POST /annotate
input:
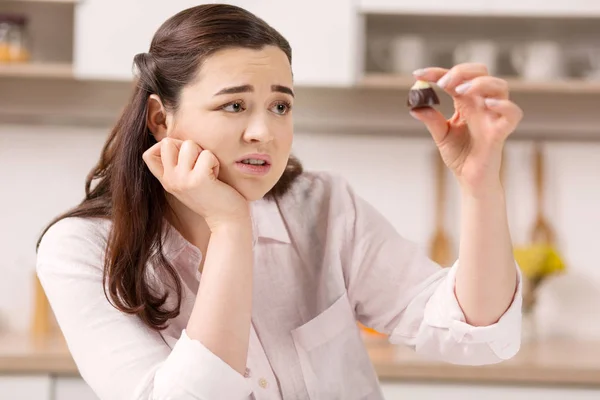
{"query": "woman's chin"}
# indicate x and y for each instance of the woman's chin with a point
(252, 191)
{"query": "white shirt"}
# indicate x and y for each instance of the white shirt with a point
(324, 258)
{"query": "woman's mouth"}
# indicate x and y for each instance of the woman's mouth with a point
(253, 166)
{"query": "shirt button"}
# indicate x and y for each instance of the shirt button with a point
(262, 382)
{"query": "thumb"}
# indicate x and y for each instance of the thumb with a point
(434, 121)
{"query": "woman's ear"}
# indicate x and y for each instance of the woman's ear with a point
(157, 118)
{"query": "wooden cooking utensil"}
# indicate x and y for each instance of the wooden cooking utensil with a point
(440, 246)
(41, 323)
(542, 232)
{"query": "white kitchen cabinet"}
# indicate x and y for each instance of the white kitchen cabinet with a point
(109, 33)
(67, 388)
(25, 387)
(436, 391)
(324, 35)
(423, 7)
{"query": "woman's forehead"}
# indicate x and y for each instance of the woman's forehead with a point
(241, 66)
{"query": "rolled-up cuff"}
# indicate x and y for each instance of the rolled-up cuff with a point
(503, 337)
(194, 372)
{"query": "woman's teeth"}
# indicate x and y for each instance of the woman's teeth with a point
(253, 161)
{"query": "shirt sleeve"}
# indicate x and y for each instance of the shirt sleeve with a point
(116, 354)
(396, 289)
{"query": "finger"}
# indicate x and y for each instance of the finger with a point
(188, 154)
(510, 113)
(207, 163)
(449, 79)
(176, 142)
(169, 153)
(485, 86)
(434, 121)
(153, 160)
(431, 74)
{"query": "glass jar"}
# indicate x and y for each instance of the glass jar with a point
(18, 39)
(5, 27)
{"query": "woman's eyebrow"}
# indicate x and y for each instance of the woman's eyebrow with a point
(282, 89)
(250, 88)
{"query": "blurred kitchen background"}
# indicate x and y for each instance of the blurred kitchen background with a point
(66, 72)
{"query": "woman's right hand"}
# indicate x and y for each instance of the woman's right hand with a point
(191, 173)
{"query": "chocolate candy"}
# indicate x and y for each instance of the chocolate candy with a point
(421, 94)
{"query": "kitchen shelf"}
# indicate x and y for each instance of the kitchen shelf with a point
(480, 8)
(42, 1)
(37, 70)
(570, 86)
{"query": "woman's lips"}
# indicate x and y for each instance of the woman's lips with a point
(254, 164)
(253, 169)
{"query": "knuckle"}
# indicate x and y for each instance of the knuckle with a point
(171, 183)
(477, 66)
(177, 186)
(478, 82)
(520, 113)
(168, 185)
(205, 155)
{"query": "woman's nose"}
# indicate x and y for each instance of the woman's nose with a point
(258, 131)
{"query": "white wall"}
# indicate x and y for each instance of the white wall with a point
(42, 171)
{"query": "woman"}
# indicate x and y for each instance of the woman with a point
(205, 264)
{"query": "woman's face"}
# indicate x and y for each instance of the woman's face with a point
(240, 109)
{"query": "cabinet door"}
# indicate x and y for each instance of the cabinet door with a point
(547, 7)
(432, 7)
(109, 33)
(25, 387)
(323, 35)
(72, 389)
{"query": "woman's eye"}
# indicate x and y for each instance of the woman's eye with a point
(281, 108)
(235, 107)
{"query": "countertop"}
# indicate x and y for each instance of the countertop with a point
(20, 354)
(544, 362)
(557, 361)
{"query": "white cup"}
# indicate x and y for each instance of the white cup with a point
(539, 60)
(478, 51)
(401, 55)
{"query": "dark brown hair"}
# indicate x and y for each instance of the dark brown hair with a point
(125, 191)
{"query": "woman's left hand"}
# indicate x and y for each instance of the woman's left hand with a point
(471, 141)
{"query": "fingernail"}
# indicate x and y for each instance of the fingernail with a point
(491, 102)
(463, 88)
(414, 115)
(419, 72)
(444, 80)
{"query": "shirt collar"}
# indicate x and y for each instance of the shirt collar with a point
(268, 222)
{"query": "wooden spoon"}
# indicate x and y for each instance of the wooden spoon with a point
(41, 323)
(440, 246)
(542, 232)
